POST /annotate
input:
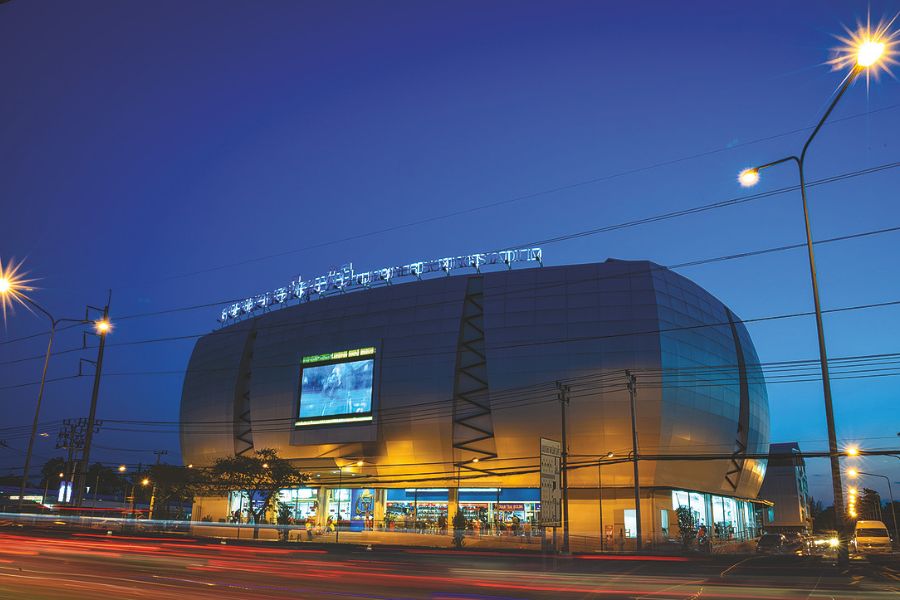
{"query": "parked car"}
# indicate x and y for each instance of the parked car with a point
(771, 543)
(871, 537)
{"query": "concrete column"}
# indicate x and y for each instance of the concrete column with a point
(322, 498)
(379, 508)
(452, 506)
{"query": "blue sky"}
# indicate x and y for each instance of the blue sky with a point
(142, 142)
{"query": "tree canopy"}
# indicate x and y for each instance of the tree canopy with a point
(256, 476)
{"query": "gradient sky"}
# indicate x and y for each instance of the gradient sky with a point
(155, 147)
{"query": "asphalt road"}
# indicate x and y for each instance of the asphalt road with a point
(47, 565)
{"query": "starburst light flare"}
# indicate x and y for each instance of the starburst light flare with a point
(14, 286)
(873, 48)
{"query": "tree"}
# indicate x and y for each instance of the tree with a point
(105, 479)
(51, 470)
(687, 525)
(257, 477)
(823, 520)
(172, 483)
(869, 505)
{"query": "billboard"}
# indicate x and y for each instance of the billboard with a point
(337, 387)
(551, 492)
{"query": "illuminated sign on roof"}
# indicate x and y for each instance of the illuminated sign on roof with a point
(344, 279)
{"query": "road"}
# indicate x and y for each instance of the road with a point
(41, 565)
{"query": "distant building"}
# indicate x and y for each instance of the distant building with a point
(785, 486)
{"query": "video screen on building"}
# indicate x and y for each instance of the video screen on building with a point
(337, 387)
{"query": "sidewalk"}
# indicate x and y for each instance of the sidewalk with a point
(390, 538)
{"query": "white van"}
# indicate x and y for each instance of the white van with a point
(871, 537)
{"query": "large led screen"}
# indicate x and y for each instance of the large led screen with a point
(336, 392)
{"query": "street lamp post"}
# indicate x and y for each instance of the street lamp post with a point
(867, 55)
(340, 491)
(855, 473)
(37, 409)
(600, 493)
(47, 488)
(102, 328)
(14, 287)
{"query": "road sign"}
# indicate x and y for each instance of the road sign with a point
(551, 491)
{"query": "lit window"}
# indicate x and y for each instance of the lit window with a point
(630, 523)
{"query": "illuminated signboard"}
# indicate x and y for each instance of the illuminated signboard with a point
(337, 387)
(345, 279)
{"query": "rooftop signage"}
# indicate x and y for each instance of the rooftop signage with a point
(344, 279)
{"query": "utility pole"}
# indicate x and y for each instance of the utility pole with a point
(71, 438)
(632, 393)
(92, 415)
(563, 393)
(159, 454)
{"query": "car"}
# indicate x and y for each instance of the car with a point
(771, 543)
(795, 542)
(871, 537)
(825, 543)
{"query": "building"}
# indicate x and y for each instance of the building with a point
(442, 388)
(785, 486)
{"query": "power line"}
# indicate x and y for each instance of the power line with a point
(307, 322)
(515, 397)
(519, 198)
(604, 229)
(495, 347)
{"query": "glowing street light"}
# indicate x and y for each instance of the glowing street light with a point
(869, 53)
(867, 47)
(122, 468)
(749, 177)
(852, 473)
(852, 450)
(102, 326)
(865, 50)
(145, 481)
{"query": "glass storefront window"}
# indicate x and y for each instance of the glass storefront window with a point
(694, 501)
(303, 502)
(630, 523)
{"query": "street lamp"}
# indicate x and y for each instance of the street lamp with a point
(609, 454)
(14, 288)
(144, 482)
(855, 473)
(866, 50)
(337, 521)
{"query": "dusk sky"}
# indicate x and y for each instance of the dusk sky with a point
(190, 153)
